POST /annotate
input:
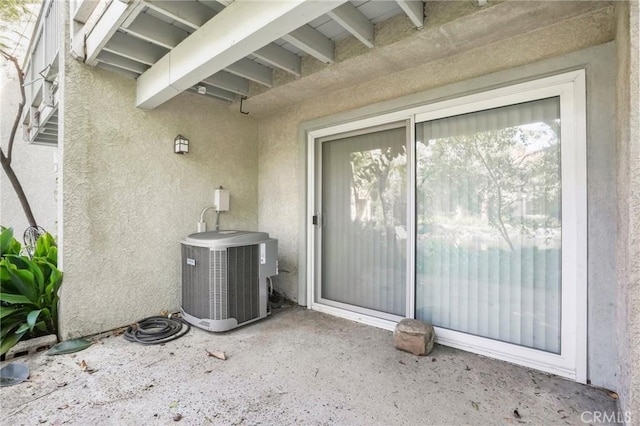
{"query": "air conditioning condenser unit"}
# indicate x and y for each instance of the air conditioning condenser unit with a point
(224, 278)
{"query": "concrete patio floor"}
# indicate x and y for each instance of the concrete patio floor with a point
(297, 366)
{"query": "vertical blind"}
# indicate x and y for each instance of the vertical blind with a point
(364, 211)
(488, 221)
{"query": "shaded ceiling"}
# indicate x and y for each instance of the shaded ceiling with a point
(132, 37)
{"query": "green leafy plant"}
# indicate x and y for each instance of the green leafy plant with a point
(28, 290)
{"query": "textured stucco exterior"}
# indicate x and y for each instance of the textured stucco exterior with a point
(283, 161)
(628, 218)
(34, 165)
(128, 200)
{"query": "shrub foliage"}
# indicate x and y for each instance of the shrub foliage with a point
(28, 290)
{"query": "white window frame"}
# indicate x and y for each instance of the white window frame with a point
(571, 88)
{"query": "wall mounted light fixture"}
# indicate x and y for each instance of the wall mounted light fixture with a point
(180, 145)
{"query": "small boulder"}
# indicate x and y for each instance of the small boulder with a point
(414, 336)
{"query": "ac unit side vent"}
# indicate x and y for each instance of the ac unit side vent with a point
(218, 294)
(195, 293)
(243, 273)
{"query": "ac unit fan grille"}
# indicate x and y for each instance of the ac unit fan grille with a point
(222, 284)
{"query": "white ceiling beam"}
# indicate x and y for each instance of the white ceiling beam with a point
(253, 71)
(227, 81)
(279, 57)
(133, 15)
(134, 49)
(122, 62)
(101, 25)
(352, 20)
(119, 70)
(189, 13)
(168, 36)
(156, 31)
(312, 42)
(214, 4)
(216, 92)
(84, 10)
(414, 9)
(221, 42)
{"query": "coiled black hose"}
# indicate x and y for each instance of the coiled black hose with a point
(155, 330)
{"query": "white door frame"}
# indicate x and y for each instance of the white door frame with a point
(570, 86)
(363, 315)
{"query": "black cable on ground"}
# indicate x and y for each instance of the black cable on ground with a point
(155, 330)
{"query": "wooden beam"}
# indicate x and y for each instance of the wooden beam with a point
(216, 92)
(122, 62)
(190, 13)
(253, 71)
(352, 20)
(134, 49)
(221, 43)
(279, 57)
(227, 81)
(414, 9)
(312, 42)
(84, 10)
(102, 24)
(156, 31)
(118, 70)
(214, 4)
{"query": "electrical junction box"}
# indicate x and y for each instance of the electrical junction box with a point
(221, 200)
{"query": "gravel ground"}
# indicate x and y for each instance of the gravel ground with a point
(295, 367)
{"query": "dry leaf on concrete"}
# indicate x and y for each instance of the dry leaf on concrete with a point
(84, 367)
(217, 354)
(118, 331)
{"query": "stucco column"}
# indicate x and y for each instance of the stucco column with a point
(628, 253)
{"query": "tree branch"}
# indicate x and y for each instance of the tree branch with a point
(501, 228)
(16, 121)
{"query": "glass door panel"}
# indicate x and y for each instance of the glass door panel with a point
(364, 221)
(488, 223)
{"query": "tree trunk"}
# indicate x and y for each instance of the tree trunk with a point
(6, 160)
(18, 188)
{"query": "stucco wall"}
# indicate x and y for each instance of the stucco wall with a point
(282, 156)
(628, 245)
(33, 164)
(128, 199)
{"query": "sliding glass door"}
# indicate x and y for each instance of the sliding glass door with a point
(467, 213)
(489, 224)
(364, 219)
